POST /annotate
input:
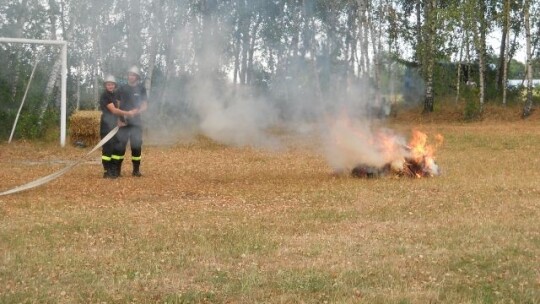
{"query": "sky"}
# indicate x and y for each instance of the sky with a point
(494, 40)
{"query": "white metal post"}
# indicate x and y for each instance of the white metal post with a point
(63, 107)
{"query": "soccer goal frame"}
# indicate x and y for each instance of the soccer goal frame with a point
(63, 107)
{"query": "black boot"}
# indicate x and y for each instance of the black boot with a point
(106, 168)
(113, 169)
(111, 173)
(136, 167)
(119, 168)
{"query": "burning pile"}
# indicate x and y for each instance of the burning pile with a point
(416, 161)
(366, 153)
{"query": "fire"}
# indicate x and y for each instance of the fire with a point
(421, 161)
(418, 145)
(368, 153)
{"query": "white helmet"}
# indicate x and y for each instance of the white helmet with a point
(135, 70)
(110, 78)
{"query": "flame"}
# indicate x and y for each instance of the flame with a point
(419, 147)
(423, 153)
(358, 147)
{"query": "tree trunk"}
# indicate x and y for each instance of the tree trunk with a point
(238, 40)
(246, 24)
(376, 48)
(352, 40)
(151, 64)
(418, 30)
(429, 98)
(153, 47)
(505, 70)
(237, 48)
(313, 52)
(78, 92)
(482, 70)
(252, 49)
(363, 37)
(527, 110)
(504, 46)
(429, 56)
(49, 88)
(359, 40)
(460, 61)
(171, 69)
(482, 53)
(55, 72)
(96, 66)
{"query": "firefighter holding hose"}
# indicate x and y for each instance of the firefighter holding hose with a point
(108, 104)
(133, 99)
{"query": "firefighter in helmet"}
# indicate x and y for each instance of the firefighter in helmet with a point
(133, 99)
(108, 104)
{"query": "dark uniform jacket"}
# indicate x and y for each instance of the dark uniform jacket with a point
(132, 98)
(108, 119)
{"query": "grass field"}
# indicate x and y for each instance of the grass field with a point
(215, 224)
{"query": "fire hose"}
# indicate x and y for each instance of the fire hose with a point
(57, 174)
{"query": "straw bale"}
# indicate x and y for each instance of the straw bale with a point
(84, 127)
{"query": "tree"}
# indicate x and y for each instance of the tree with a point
(480, 29)
(308, 50)
(503, 50)
(528, 103)
(429, 50)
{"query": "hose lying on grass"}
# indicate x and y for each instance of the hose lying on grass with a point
(57, 174)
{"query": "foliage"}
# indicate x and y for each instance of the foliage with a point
(472, 110)
(259, 45)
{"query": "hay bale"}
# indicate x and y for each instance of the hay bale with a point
(84, 128)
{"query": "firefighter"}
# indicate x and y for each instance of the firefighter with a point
(133, 99)
(110, 112)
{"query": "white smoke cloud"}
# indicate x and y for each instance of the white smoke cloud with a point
(230, 114)
(241, 122)
(352, 143)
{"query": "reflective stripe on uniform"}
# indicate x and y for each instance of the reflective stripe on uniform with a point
(136, 158)
(105, 158)
(117, 157)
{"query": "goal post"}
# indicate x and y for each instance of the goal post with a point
(63, 107)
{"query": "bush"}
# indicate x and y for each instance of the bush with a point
(472, 110)
(27, 126)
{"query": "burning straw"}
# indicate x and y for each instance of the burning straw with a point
(365, 153)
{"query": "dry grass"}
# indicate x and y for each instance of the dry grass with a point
(215, 224)
(448, 111)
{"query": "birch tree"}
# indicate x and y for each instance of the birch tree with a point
(505, 31)
(55, 72)
(505, 68)
(429, 50)
(526, 18)
(481, 50)
(363, 32)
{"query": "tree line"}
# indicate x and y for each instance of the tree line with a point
(322, 46)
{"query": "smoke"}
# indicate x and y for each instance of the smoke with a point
(304, 98)
(203, 100)
(240, 122)
(350, 143)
